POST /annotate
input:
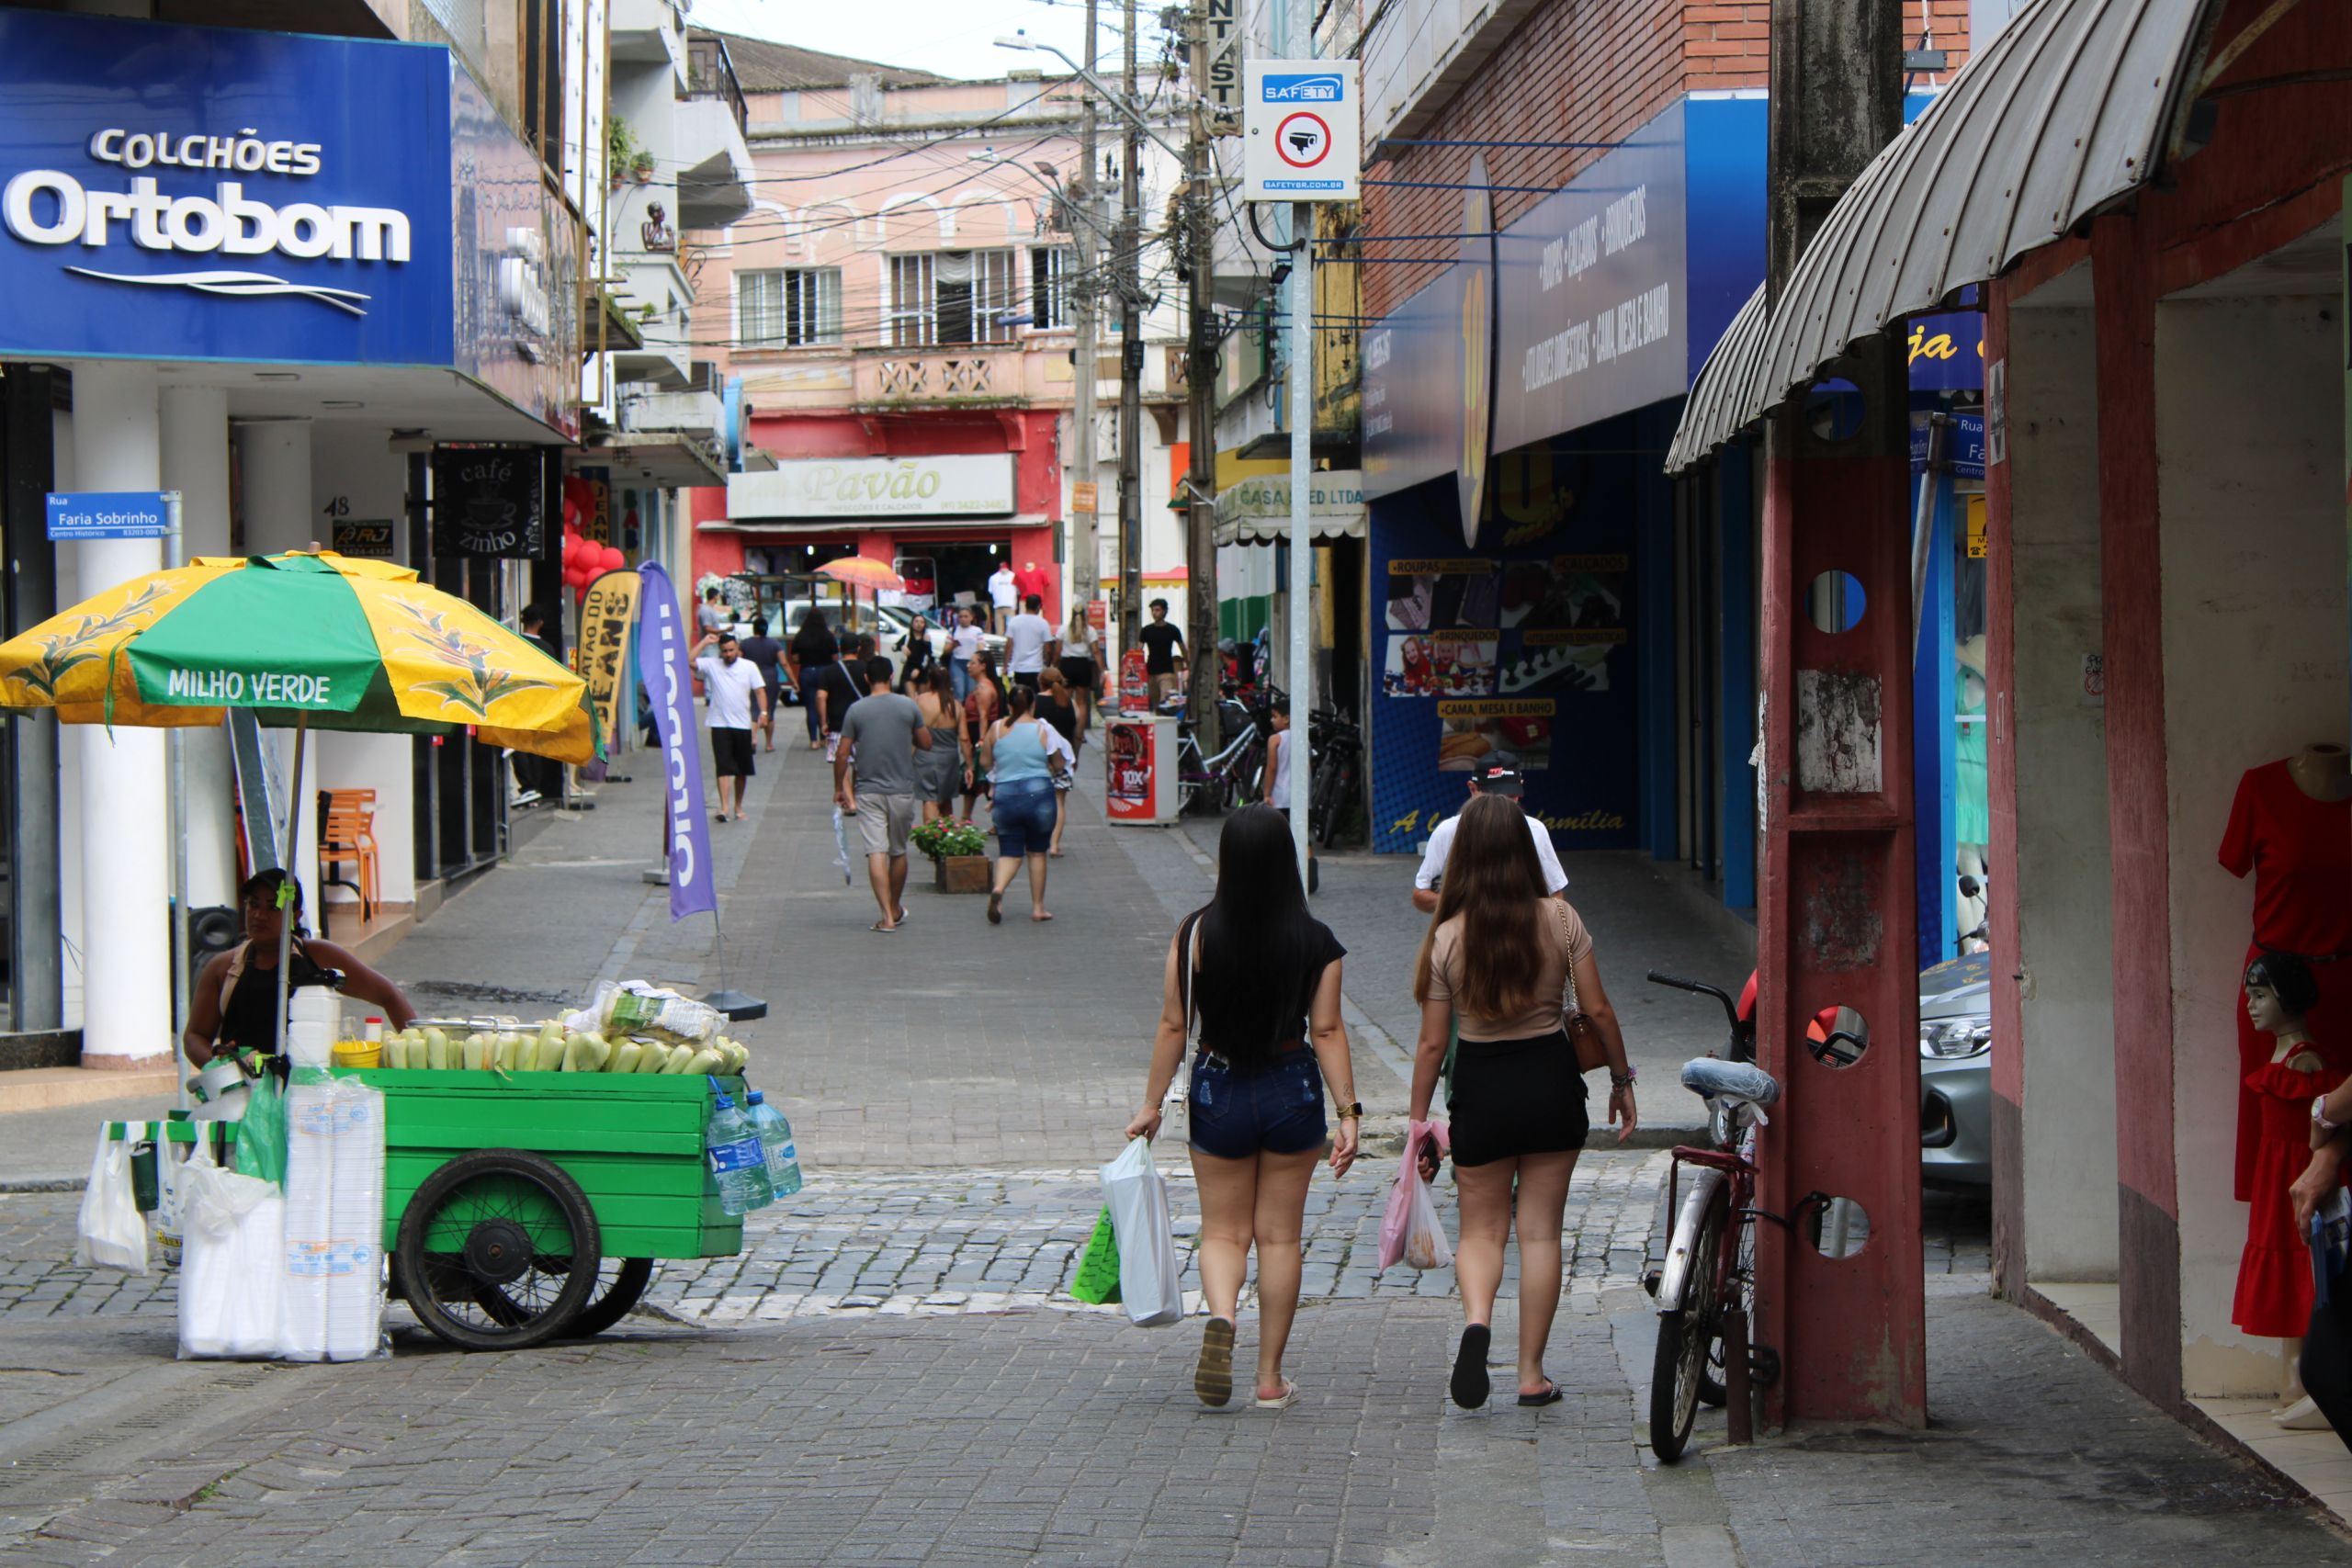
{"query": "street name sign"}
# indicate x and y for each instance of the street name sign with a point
(110, 514)
(1302, 130)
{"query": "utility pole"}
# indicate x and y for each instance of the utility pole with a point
(1200, 383)
(1300, 18)
(1130, 275)
(1085, 300)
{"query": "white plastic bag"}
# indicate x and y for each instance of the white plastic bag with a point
(232, 1252)
(169, 1168)
(1150, 1278)
(1425, 1244)
(111, 1233)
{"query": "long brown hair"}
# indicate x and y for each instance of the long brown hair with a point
(1494, 882)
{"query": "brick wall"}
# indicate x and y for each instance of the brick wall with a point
(1581, 70)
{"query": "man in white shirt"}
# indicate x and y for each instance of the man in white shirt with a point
(1027, 638)
(1002, 595)
(737, 696)
(1486, 781)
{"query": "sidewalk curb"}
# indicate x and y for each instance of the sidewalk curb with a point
(13, 1184)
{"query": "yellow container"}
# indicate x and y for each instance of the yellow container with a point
(358, 1054)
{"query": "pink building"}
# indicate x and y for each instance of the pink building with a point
(899, 307)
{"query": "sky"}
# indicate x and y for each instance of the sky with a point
(951, 37)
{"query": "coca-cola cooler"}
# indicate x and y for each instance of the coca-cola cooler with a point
(1139, 770)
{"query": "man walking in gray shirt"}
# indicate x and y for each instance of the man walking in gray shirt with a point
(873, 780)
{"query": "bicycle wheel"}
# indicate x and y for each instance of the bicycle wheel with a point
(1714, 1388)
(1685, 1337)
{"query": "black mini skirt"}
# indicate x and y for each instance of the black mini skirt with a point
(1517, 1096)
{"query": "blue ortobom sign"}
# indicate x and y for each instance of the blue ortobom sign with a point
(111, 513)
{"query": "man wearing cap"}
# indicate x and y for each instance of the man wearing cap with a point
(1485, 781)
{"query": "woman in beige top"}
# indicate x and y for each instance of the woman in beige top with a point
(1493, 968)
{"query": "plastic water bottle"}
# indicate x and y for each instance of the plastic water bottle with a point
(736, 1159)
(776, 1137)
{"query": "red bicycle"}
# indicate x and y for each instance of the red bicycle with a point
(1706, 1287)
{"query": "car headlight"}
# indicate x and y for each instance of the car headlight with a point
(1955, 1037)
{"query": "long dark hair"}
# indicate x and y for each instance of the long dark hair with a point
(1256, 935)
(1494, 880)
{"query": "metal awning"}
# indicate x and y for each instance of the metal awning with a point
(843, 527)
(2073, 106)
(1257, 510)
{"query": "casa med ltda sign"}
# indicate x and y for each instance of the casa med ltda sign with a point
(174, 192)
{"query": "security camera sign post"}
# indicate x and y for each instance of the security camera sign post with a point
(1302, 132)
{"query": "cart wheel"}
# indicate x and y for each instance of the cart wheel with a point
(619, 1282)
(486, 1249)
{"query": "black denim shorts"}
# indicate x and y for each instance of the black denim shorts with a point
(1277, 1108)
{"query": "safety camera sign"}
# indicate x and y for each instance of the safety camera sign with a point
(1301, 131)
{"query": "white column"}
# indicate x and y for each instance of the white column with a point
(275, 457)
(194, 427)
(126, 851)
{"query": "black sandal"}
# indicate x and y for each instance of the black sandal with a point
(1551, 1395)
(1212, 1375)
(1470, 1385)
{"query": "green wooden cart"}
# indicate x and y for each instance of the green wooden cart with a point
(525, 1207)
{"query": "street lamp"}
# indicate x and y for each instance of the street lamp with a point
(1023, 40)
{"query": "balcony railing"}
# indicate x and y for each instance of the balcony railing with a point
(711, 75)
(925, 377)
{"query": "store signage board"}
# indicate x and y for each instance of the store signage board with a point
(1412, 389)
(1335, 492)
(1592, 289)
(1302, 130)
(370, 539)
(606, 613)
(966, 485)
(110, 514)
(489, 501)
(171, 192)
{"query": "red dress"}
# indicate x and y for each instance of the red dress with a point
(2299, 853)
(2273, 1296)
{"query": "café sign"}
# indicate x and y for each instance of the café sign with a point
(964, 485)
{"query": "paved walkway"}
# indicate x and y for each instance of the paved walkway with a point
(891, 1373)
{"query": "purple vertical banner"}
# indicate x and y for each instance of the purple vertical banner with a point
(661, 664)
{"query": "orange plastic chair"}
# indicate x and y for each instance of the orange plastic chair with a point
(347, 838)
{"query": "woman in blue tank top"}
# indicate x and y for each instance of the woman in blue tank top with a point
(1022, 767)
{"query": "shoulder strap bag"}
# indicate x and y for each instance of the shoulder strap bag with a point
(1584, 1034)
(1179, 1087)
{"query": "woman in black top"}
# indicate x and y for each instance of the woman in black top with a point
(814, 650)
(914, 671)
(234, 1005)
(1265, 987)
(1055, 706)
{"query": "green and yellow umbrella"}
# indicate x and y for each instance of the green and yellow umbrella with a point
(305, 639)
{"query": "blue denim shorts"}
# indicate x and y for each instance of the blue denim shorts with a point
(1277, 1108)
(1023, 816)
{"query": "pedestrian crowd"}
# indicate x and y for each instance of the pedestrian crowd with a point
(1250, 1040)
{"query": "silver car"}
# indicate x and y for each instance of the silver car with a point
(1956, 1072)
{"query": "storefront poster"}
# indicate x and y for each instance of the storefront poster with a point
(606, 612)
(663, 639)
(489, 501)
(1521, 655)
(517, 261)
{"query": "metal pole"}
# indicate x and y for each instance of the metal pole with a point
(1200, 380)
(286, 909)
(1086, 544)
(1923, 531)
(1302, 552)
(175, 751)
(1130, 274)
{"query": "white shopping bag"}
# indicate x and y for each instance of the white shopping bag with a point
(110, 1234)
(1149, 1275)
(232, 1255)
(169, 1168)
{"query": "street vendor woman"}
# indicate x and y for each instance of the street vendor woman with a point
(235, 1004)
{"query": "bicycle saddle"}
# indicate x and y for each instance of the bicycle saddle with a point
(1712, 1078)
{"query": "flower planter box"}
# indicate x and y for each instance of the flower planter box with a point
(961, 873)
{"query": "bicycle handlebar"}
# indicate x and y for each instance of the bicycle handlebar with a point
(1698, 988)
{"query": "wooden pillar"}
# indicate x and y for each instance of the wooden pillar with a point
(1836, 913)
(2131, 572)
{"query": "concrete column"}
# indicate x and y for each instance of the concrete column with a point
(126, 851)
(194, 445)
(276, 458)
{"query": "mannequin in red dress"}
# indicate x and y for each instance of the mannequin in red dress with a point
(2290, 827)
(2274, 1293)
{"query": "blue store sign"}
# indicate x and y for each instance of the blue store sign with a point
(174, 192)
